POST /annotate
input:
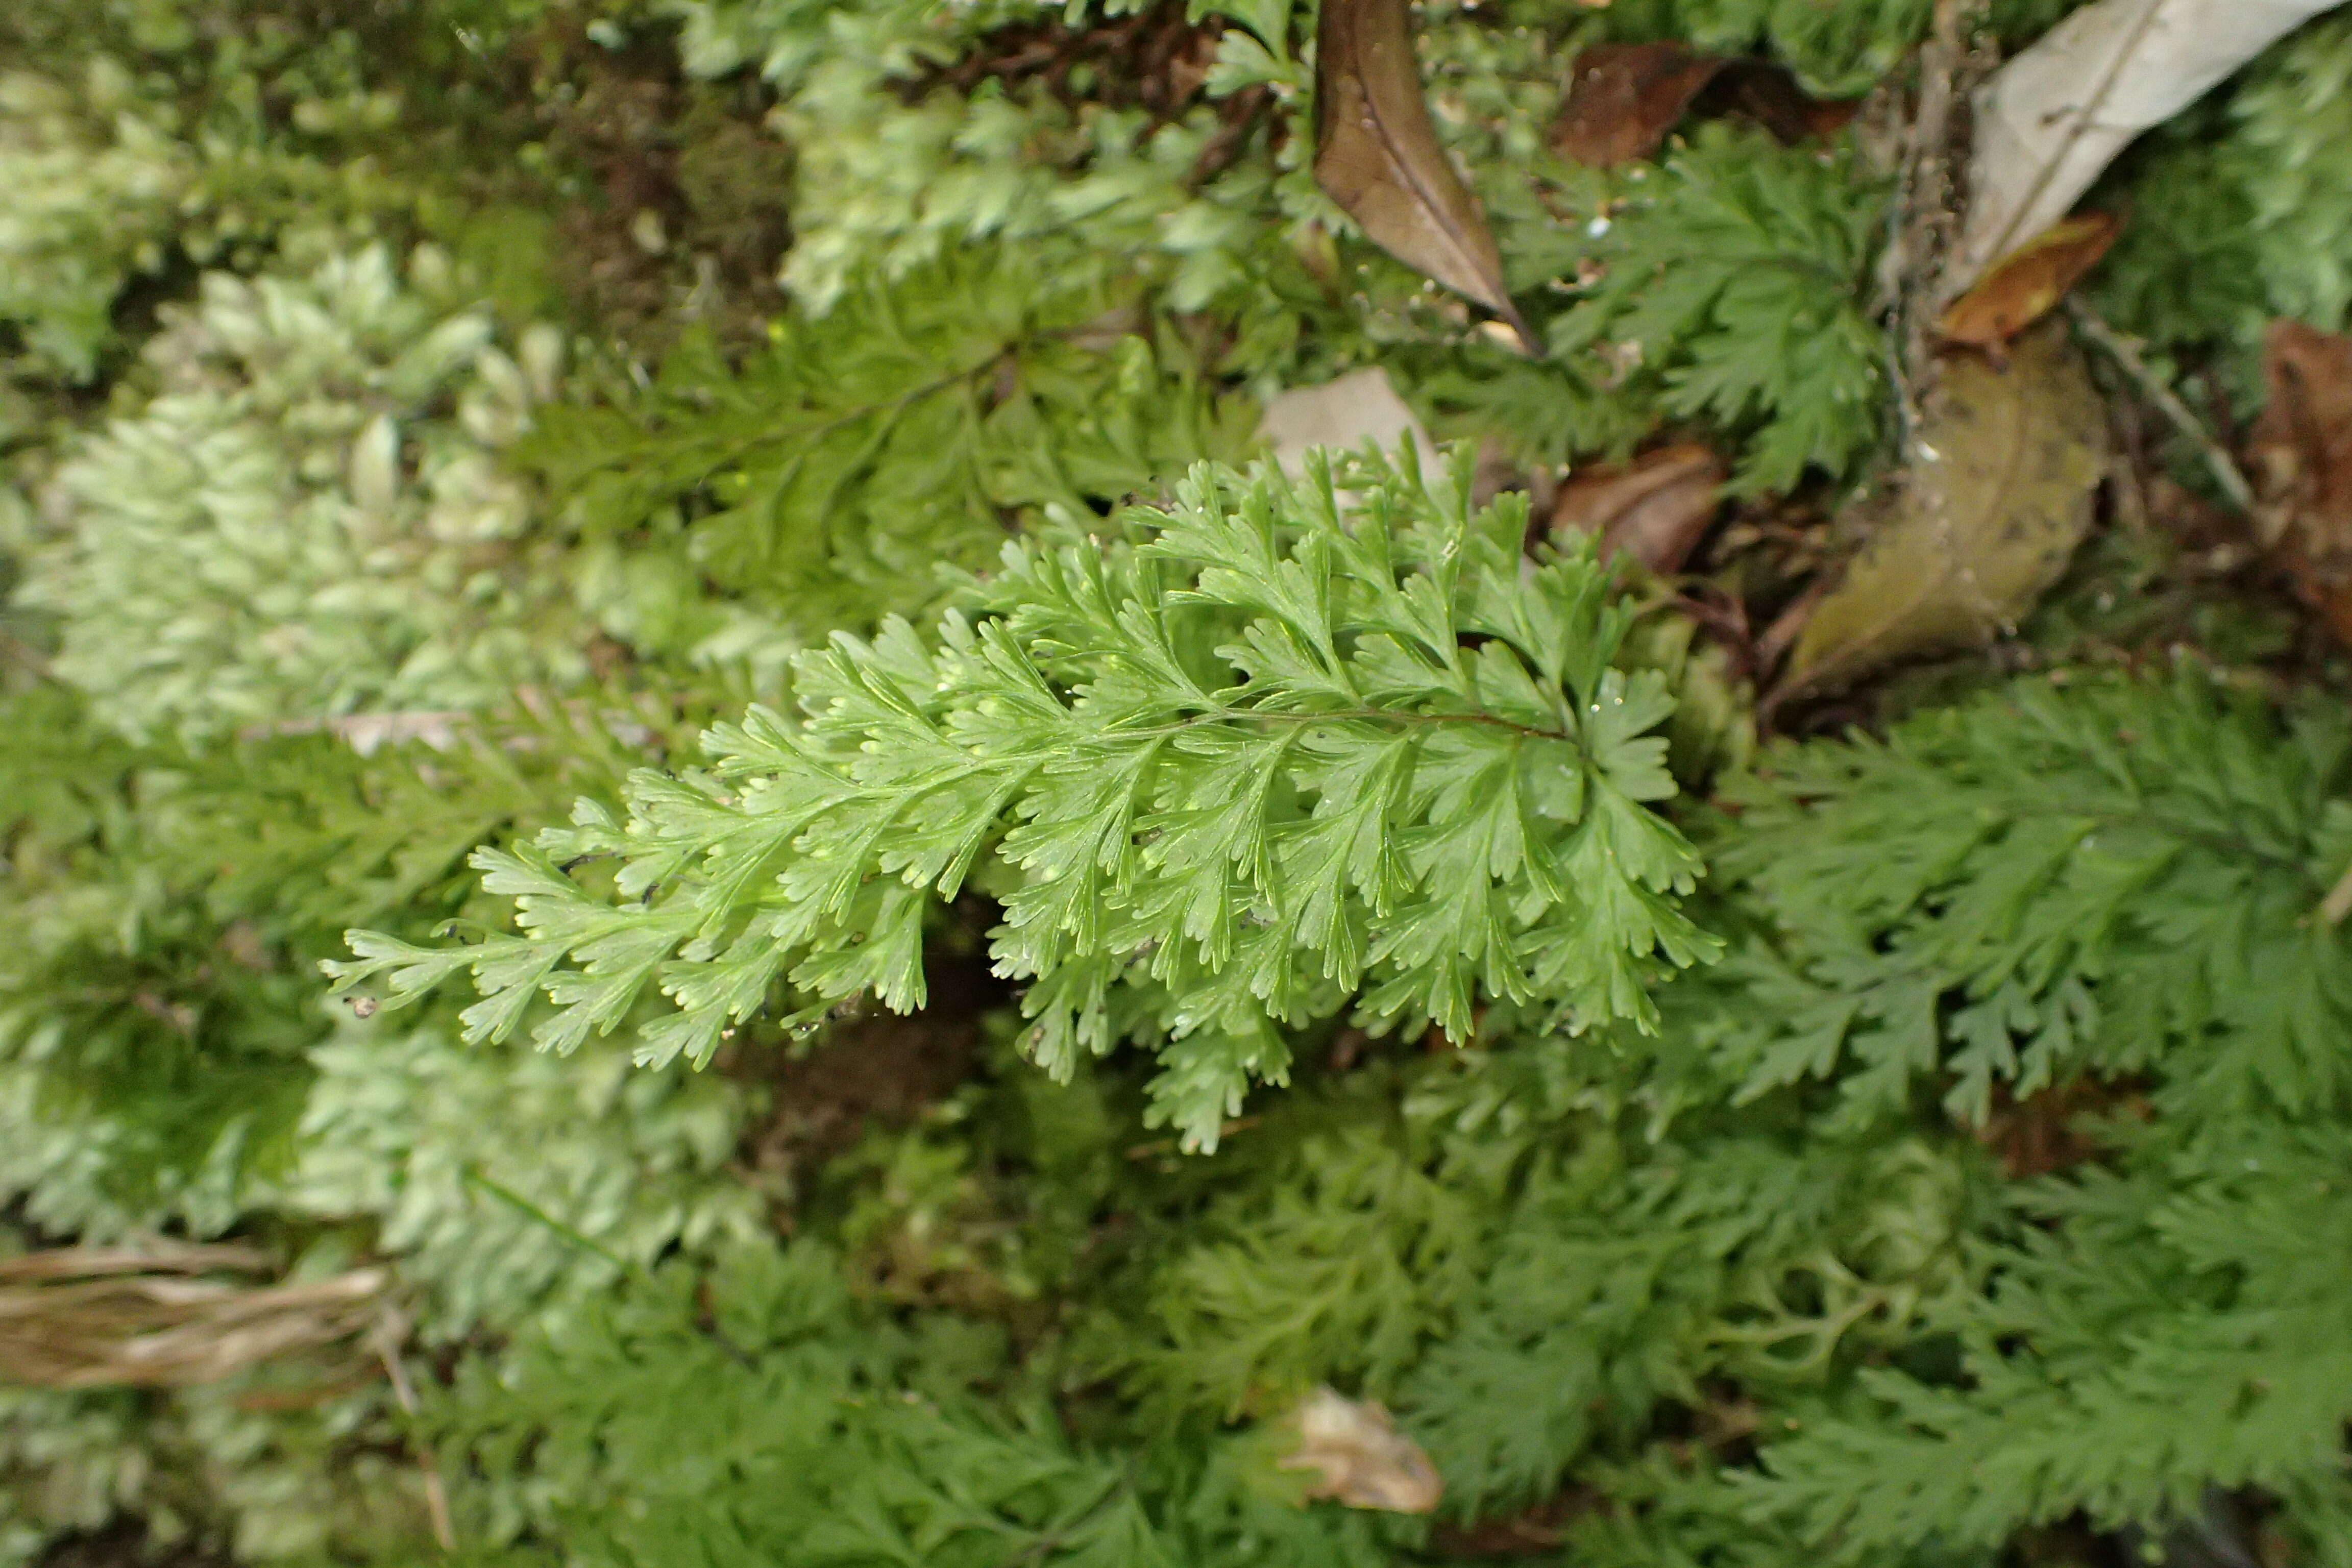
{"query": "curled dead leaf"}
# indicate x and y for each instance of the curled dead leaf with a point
(1364, 1461)
(1654, 509)
(1623, 99)
(1377, 154)
(2301, 454)
(2027, 284)
(1999, 494)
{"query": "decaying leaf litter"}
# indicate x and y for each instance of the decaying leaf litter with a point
(2301, 453)
(2001, 444)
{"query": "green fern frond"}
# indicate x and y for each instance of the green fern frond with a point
(1738, 272)
(2051, 880)
(1229, 771)
(829, 478)
(2205, 1280)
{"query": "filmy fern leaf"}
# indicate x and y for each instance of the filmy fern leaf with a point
(2205, 1280)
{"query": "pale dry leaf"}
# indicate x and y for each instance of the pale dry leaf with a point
(2052, 118)
(2007, 459)
(1377, 154)
(1365, 1462)
(1341, 414)
(2301, 454)
(1654, 509)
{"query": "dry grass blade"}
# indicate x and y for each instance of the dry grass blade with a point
(391, 1331)
(158, 1258)
(2159, 392)
(1376, 155)
(76, 1318)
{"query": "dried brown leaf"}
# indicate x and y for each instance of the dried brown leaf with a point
(1364, 1461)
(2027, 284)
(1999, 497)
(1654, 509)
(2301, 453)
(2043, 1133)
(1623, 99)
(1377, 154)
(1767, 92)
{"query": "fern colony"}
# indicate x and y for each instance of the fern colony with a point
(706, 866)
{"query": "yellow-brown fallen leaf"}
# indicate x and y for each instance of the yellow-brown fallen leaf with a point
(1364, 1461)
(1376, 155)
(1998, 496)
(2301, 454)
(1654, 508)
(2027, 284)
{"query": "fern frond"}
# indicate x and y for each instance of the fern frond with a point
(2103, 878)
(1738, 274)
(1259, 757)
(2205, 1282)
(829, 478)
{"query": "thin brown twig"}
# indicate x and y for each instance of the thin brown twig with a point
(1924, 219)
(2224, 468)
(390, 1331)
